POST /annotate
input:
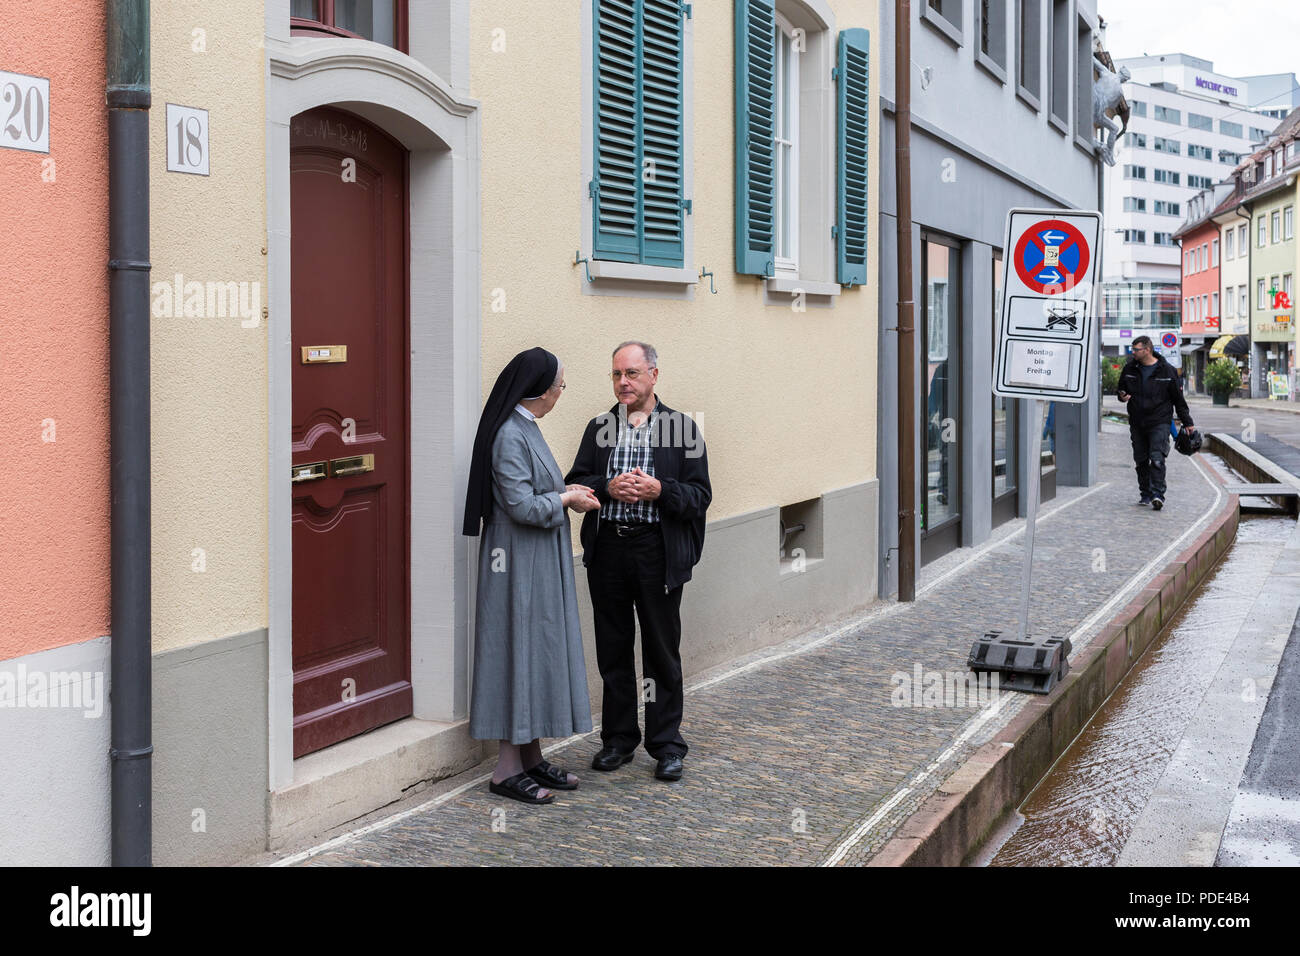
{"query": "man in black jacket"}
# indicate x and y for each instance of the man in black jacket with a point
(1150, 386)
(648, 467)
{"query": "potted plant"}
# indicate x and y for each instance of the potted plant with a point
(1221, 377)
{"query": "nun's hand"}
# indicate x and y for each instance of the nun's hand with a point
(579, 498)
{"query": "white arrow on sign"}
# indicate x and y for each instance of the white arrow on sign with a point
(1053, 277)
(1053, 238)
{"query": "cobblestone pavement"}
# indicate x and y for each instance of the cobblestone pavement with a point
(802, 757)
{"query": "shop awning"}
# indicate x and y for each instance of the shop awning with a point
(1230, 345)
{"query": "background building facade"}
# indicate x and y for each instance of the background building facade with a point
(1030, 65)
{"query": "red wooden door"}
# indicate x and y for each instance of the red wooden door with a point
(351, 604)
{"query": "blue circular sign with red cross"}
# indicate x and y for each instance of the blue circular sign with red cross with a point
(1169, 340)
(1051, 257)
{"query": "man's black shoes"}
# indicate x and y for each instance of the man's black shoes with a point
(1144, 500)
(669, 767)
(1157, 504)
(610, 758)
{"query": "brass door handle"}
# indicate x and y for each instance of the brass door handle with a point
(356, 465)
(309, 472)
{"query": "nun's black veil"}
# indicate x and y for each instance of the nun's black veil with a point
(529, 374)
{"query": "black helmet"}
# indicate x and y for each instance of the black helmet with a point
(1187, 442)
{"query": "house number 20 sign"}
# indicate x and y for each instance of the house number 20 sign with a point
(24, 112)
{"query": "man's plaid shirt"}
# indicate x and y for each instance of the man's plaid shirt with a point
(633, 450)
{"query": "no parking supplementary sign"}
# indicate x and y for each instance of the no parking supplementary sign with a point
(1045, 328)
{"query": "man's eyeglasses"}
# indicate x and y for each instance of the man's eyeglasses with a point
(632, 374)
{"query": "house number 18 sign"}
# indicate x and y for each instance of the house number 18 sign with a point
(187, 140)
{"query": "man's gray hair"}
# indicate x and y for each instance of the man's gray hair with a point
(651, 356)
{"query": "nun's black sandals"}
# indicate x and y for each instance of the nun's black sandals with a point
(551, 776)
(520, 787)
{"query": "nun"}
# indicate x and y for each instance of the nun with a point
(530, 679)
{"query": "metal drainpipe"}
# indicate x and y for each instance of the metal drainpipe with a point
(1250, 292)
(130, 681)
(906, 326)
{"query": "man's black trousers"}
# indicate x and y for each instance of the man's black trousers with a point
(1150, 449)
(628, 573)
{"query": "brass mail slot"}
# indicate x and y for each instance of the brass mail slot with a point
(356, 465)
(320, 354)
(309, 472)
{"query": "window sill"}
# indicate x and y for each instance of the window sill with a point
(1061, 125)
(940, 23)
(991, 66)
(1028, 98)
(793, 285)
(635, 272)
(1085, 146)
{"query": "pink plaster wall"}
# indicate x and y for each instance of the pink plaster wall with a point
(54, 557)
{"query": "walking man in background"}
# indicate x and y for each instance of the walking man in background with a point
(648, 467)
(1150, 387)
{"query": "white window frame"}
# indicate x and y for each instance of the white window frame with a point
(1243, 239)
(787, 114)
(1288, 222)
(1262, 238)
(1228, 252)
(1275, 226)
(1244, 292)
(1260, 290)
(1214, 253)
(1229, 302)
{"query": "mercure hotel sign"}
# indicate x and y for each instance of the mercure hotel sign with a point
(1215, 87)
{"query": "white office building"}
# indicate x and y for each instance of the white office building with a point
(1189, 127)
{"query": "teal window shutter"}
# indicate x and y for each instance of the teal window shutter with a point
(639, 141)
(851, 166)
(755, 137)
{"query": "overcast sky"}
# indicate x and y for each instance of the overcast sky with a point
(1243, 38)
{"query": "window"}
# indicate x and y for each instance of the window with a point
(1268, 166)
(1229, 157)
(1165, 176)
(1258, 135)
(384, 21)
(1083, 131)
(1137, 108)
(1135, 204)
(1260, 302)
(786, 139)
(1199, 152)
(993, 36)
(1205, 307)
(1241, 240)
(1290, 150)
(1263, 232)
(1197, 121)
(944, 15)
(1286, 285)
(1244, 302)
(1168, 115)
(1187, 263)
(1230, 129)
(1288, 222)
(1004, 422)
(1201, 256)
(1229, 302)
(1029, 51)
(640, 156)
(1275, 218)
(1214, 254)
(1163, 145)
(1163, 208)
(1135, 172)
(1227, 243)
(1214, 303)
(1137, 140)
(1162, 239)
(1059, 66)
(1135, 235)
(1199, 182)
(1271, 291)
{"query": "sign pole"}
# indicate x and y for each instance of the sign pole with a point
(1037, 408)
